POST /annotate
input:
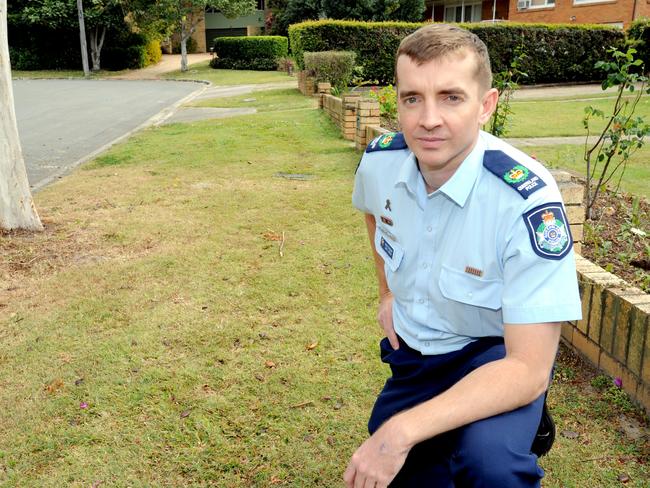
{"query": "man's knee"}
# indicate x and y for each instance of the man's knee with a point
(495, 467)
(492, 457)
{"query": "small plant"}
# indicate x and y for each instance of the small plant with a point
(387, 98)
(623, 134)
(612, 391)
(601, 382)
(286, 64)
(507, 82)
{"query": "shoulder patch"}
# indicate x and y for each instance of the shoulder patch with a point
(517, 176)
(387, 142)
(548, 229)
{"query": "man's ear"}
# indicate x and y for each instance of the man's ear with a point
(488, 105)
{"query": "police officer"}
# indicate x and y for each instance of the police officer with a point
(476, 272)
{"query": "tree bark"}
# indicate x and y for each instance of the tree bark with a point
(184, 37)
(17, 210)
(82, 38)
(96, 43)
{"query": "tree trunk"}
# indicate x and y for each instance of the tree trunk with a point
(17, 209)
(184, 37)
(96, 43)
(82, 38)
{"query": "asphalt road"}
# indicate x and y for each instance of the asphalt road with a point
(63, 122)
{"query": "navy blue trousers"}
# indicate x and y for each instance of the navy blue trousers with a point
(491, 453)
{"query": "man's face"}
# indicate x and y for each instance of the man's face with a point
(441, 107)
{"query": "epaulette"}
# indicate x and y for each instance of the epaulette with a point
(387, 142)
(520, 178)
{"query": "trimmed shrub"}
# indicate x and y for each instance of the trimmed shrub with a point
(154, 52)
(131, 53)
(639, 36)
(332, 66)
(253, 52)
(555, 52)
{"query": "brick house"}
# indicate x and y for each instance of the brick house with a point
(613, 12)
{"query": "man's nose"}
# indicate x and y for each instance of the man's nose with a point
(430, 115)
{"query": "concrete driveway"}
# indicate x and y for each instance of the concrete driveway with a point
(63, 123)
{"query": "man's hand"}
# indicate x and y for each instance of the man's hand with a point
(376, 463)
(385, 318)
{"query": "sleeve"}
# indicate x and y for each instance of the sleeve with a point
(360, 192)
(539, 271)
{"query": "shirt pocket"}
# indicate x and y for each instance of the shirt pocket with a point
(390, 251)
(468, 289)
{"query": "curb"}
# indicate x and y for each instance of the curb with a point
(155, 120)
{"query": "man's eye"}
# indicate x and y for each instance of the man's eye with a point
(410, 100)
(454, 98)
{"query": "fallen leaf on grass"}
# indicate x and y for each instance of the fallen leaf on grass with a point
(96, 484)
(54, 386)
(269, 364)
(330, 440)
(623, 478)
(275, 480)
(312, 346)
(185, 413)
(77, 382)
(570, 434)
(65, 358)
(269, 235)
(259, 377)
(303, 404)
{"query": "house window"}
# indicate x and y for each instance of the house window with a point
(532, 4)
(585, 2)
(463, 13)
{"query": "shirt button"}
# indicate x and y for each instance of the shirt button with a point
(426, 344)
(425, 265)
(429, 229)
(421, 300)
(470, 294)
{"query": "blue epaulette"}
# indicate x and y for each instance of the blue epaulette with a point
(520, 178)
(387, 142)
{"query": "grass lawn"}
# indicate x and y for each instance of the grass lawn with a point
(263, 101)
(221, 77)
(531, 118)
(191, 318)
(567, 156)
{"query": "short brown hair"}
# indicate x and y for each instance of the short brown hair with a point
(435, 41)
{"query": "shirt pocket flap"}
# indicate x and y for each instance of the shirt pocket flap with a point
(466, 288)
(391, 252)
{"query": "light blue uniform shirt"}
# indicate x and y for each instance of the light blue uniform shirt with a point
(474, 254)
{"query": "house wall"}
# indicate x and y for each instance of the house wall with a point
(596, 12)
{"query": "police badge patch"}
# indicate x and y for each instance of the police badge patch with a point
(520, 178)
(548, 229)
(388, 141)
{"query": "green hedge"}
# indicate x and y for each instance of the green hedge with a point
(334, 67)
(639, 35)
(555, 52)
(252, 52)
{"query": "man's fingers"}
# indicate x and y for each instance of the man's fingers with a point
(392, 338)
(348, 476)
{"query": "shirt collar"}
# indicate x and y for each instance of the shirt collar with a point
(458, 187)
(409, 174)
(461, 183)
